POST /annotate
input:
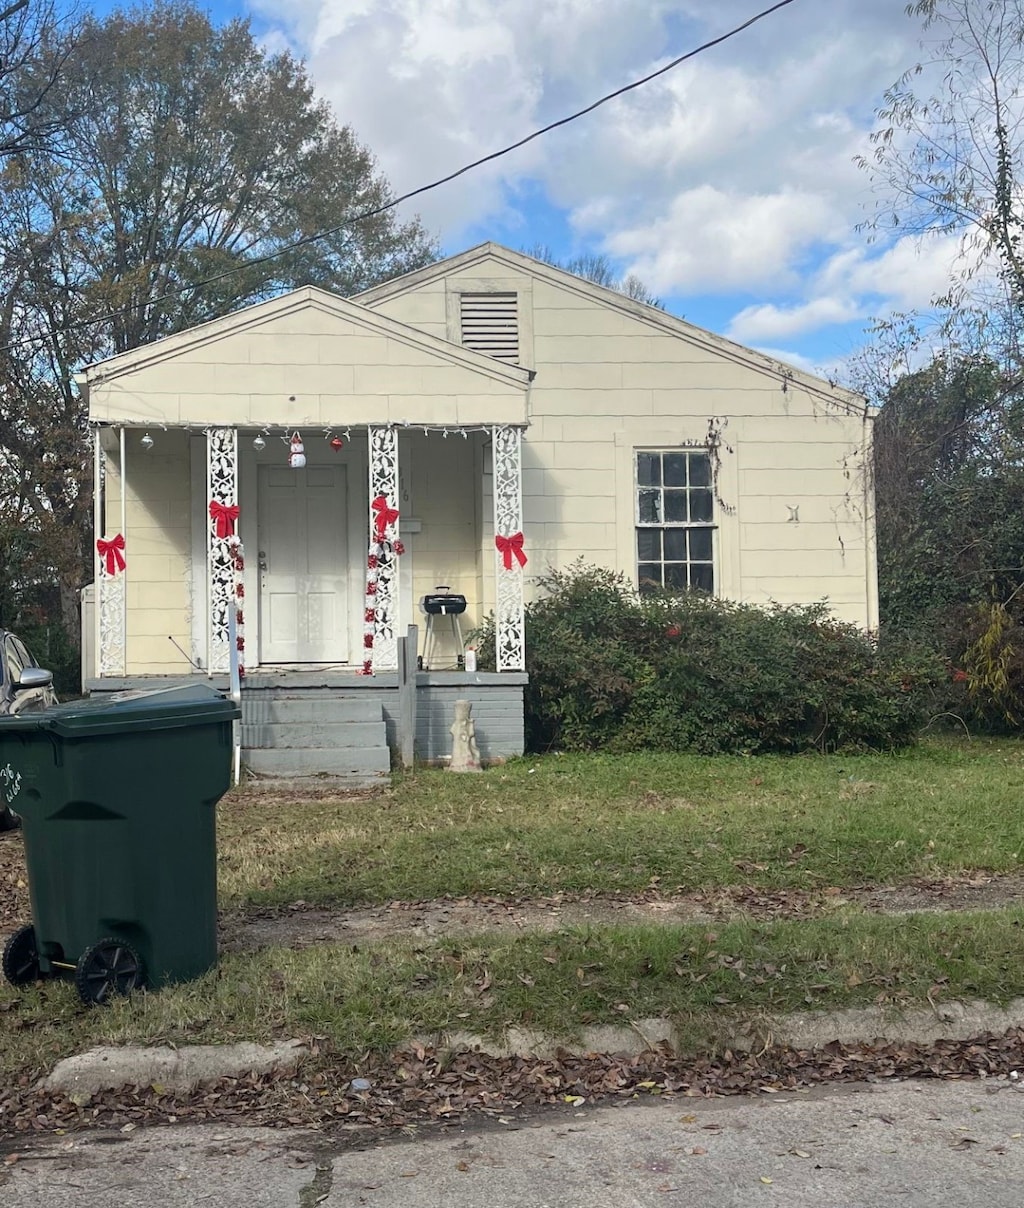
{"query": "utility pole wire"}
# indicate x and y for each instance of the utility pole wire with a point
(367, 214)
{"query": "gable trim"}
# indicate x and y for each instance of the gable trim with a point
(309, 297)
(848, 401)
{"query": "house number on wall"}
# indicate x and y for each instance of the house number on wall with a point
(11, 782)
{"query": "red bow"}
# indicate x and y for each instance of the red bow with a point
(385, 516)
(507, 546)
(225, 515)
(111, 550)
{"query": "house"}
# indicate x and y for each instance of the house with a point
(469, 425)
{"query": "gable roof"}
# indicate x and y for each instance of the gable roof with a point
(262, 313)
(838, 396)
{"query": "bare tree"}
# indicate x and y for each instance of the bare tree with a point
(596, 267)
(948, 146)
(29, 71)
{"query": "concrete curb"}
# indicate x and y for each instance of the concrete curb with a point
(812, 1029)
(111, 1068)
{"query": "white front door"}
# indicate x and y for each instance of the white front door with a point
(303, 564)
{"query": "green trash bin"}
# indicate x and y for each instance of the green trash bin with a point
(117, 797)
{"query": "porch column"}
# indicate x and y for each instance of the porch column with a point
(510, 640)
(221, 489)
(111, 564)
(383, 443)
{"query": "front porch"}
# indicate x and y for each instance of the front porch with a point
(317, 568)
(311, 624)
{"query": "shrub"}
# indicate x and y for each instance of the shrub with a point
(991, 667)
(610, 669)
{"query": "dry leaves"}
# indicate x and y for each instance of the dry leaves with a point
(420, 1086)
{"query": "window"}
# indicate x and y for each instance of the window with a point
(489, 323)
(674, 521)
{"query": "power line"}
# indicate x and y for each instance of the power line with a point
(306, 240)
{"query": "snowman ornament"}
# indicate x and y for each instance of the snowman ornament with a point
(297, 455)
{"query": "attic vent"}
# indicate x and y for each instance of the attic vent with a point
(490, 324)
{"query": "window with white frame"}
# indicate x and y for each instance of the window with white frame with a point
(674, 520)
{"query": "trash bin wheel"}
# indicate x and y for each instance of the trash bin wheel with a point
(21, 958)
(106, 970)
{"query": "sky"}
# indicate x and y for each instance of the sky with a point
(728, 185)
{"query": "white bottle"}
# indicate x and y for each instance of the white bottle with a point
(471, 659)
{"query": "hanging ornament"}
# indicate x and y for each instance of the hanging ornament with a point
(146, 442)
(384, 548)
(259, 444)
(337, 444)
(238, 569)
(297, 456)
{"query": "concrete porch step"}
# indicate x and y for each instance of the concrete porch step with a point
(354, 765)
(264, 708)
(319, 735)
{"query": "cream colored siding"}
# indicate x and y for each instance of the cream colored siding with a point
(314, 361)
(423, 309)
(611, 380)
(158, 547)
(444, 497)
(793, 504)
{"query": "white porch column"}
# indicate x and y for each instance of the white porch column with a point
(510, 639)
(221, 488)
(111, 563)
(383, 443)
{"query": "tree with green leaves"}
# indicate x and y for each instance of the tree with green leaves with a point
(187, 172)
(947, 158)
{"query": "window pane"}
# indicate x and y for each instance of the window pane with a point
(700, 545)
(648, 545)
(675, 507)
(702, 577)
(650, 507)
(701, 507)
(649, 576)
(675, 576)
(675, 469)
(675, 545)
(648, 469)
(700, 470)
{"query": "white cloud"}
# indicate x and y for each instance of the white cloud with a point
(719, 242)
(853, 285)
(733, 173)
(771, 322)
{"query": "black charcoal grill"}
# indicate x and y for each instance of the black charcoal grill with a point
(443, 603)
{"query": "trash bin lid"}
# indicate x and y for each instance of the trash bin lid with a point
(136, 709)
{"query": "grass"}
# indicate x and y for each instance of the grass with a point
(590, 823)
(373, 999)
(561, 824)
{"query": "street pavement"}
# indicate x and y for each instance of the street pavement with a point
(911, 1144)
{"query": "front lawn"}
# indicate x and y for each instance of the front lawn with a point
(642, 825)
(622, 824)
